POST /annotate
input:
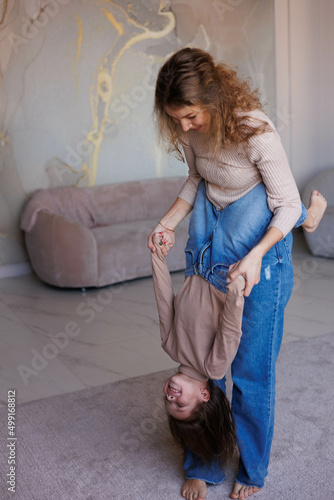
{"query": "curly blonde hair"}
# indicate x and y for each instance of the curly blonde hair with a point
(190, 77)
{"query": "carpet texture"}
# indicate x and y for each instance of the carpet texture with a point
(112, 442)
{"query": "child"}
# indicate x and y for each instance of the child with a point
(201, 329)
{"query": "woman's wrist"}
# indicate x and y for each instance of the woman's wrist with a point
(258, 251)
(270, 239)
(165, 227)
(178, 211)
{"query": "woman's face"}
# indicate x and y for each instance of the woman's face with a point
(189, 117)
(183, 394)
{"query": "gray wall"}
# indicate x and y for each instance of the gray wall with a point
(311, 55)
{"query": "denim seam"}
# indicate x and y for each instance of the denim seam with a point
(190, 250)
(202, 252)
(271, 368)
(274, 325)
(219, 263)
(288, 253)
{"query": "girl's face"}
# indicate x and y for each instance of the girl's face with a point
(189, 117)
(183, 394)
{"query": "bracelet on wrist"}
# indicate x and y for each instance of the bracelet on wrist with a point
(172, 230)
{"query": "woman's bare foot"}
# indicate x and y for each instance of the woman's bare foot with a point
(194, 489)
(316, 210)
(240, 491)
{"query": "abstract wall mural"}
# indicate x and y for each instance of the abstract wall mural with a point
(77, 83)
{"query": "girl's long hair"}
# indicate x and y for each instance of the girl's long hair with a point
(210, 433)
(191, 78)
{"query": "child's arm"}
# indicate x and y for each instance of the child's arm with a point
(229, 332)
(163, 290)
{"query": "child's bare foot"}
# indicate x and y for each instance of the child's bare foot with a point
(316, 210)
(194, 489)
(240, 491)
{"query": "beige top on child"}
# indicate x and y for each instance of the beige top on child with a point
(200, 326)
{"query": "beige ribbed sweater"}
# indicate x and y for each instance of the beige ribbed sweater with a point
(239, 168)
(201, 326)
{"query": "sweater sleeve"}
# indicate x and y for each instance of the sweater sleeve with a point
(164, 294)
(229, 332)
(189, 188)
(267, 153)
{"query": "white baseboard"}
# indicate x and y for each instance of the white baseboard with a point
(12, 270)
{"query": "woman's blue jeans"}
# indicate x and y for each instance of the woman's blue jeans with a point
(253, 369)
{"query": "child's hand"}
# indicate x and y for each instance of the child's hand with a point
(163, 241)
(169, 237)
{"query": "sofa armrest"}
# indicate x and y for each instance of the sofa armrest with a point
(62, 252)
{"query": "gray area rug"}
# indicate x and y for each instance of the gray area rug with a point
(112, 442)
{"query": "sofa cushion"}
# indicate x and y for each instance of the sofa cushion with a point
(135, 200)
(104, 205)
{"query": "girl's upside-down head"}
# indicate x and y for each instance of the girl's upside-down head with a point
(200, 417)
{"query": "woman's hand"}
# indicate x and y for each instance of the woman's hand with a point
(178, 211)
(163, 241)
(250, 268)
(163, 236)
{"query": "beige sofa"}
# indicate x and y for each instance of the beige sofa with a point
(97, 236)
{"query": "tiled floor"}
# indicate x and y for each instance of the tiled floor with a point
(55, 341)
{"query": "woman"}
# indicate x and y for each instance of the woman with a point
(230, 143)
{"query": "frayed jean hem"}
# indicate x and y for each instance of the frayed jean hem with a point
(206, 481)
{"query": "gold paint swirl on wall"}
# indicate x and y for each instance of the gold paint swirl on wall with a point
(3, 140)
(79, 23)
(79, 43)
(118, 26)
(101, 97)
(4, 10)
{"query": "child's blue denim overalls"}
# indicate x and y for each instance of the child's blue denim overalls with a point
(216, 240)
